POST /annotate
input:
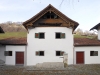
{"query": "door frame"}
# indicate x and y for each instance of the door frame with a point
(15, 58)
(83, 56)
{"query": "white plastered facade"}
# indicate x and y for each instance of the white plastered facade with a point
(11, 60)
(49, 45)
(87, 58)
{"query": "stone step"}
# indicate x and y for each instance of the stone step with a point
(50, 65)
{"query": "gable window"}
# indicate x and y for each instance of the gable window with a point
(39, 53)
(59, 53)
(50, 15)
(8, 53)
(93, 53)
(59, 35)
(39, 35)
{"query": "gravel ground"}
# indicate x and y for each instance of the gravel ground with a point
(93, 69)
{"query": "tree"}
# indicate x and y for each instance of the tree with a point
(79, 31)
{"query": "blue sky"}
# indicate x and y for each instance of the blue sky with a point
(85, 12)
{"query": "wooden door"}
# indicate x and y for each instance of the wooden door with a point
(79, 57)
(20, 58)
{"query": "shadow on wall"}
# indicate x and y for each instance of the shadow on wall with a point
(2, 62)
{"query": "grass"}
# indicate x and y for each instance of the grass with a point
(12, 34)
(80, 36)
(24, 34)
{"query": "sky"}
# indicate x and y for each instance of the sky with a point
(85, 12)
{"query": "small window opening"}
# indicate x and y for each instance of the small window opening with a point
(41, 53)
(41, 35)
(93, 53)
(57, 53)
(58, 35)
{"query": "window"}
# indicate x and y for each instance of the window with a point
(8, 53)
(39, 35)
(50, 15)
(93, 53)
(59, 53)
(39, 53)
(60, 35)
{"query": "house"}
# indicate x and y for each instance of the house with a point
(50, 35)
(12, 49)
(87, 51)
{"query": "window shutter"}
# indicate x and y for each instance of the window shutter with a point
(37, 53)
(36, 35)
(6, 53)
(62, 35)
(61, 53)
(95, 53)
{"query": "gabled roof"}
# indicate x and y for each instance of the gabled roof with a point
(86, 42)
(45, 10)
(14, 41)
(1, 30)
(95, 27)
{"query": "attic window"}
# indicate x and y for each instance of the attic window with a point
(49, 15)
(52, 16)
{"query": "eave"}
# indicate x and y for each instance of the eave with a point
(45, 10)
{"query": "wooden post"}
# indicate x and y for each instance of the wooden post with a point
(65, 60)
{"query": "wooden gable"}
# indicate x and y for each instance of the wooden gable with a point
(50, 16)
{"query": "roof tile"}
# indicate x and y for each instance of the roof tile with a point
(86, 42)
(14, 41)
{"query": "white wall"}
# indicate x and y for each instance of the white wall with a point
(2, 49)
(89, 59)
(10, 60)
(49, 45)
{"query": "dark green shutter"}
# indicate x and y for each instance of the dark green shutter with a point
(6, 53)
(62, 35)
(37, 53)
(36, 35)
(61, 53)
(95, 53)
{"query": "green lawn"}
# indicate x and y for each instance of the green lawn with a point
(80, 36)
(24, 34)
(12, 34)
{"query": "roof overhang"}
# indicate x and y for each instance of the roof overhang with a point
(45, 10)
(96, 27)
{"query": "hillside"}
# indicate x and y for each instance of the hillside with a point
(16, 29)
(24, 34)
(13, 34)
(13, 27)
(82, 36)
